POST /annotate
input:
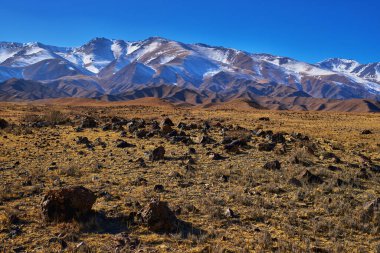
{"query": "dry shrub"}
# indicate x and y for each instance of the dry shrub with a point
(301, 156)
(56, 118)
(30, 118)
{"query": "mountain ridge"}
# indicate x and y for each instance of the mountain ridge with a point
(114, 68)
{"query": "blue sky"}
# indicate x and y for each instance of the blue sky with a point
(309, 30)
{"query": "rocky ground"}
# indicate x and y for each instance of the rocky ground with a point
(166, 179)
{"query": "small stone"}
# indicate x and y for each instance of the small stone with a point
(294, 181)
(216, 156)
(83, 140)
(51, 168)
(124, 144)
(334, 168)
(366, 132)
(192, 151)
(274, 165)
(229, 213)
(140, 181)
(190, 161)
(159, 188)
(224, 178)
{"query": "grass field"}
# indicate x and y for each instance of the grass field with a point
(272, 213)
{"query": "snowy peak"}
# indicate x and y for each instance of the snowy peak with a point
(339, 65)
(294, 67)
(369, 72)
(97, 53)
(22, 55)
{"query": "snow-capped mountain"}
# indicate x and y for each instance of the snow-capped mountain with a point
(369, 72)
(115, 67)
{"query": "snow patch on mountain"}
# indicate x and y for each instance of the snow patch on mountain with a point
(221, 55)
(297, 67)
(339, 65)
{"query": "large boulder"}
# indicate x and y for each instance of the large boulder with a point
(266, 146)
(68, 203)
(158, 217)
(88, 122)
(278, 138)
(157, 154)
(311, 178)
(3, 124)
(166, 129)
(166, 122)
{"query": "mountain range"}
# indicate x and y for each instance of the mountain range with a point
(117, 70)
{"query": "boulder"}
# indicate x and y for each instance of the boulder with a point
(157, 154)
(294, 181)
(67, 203)
(300, 137)
(182, 126)
(278, 138)
(266, 146)
(3, 124)
(273, 165)
(375, 168)
(155, 125)
(88, 122)
(166, 129)
(235, 144)
(334, 168)
(166, 122)
(141, 133)
(158, 217)
(229, 213)
(83, 140)
(124, 144)
(310, 178)
(159, 188)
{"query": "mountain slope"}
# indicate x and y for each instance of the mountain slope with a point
(369, 72)
(117, 68)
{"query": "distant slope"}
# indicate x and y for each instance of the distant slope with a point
(96, 102)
